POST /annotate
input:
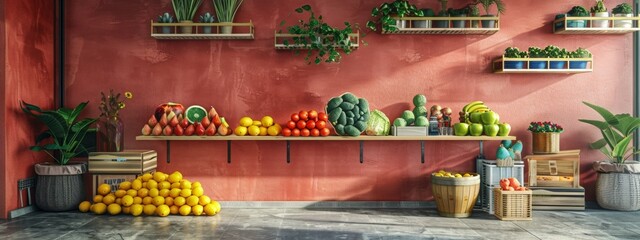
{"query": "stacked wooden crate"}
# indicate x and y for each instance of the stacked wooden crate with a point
(115, 167)
(555, 181)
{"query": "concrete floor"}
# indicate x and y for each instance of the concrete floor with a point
(325, 224)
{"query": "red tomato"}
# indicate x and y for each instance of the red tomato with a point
(304, 115)
(315, 132)
(324, 132)
(321, 124)
(313, 114)
(301, 124)
(311, 124)
(323, 116)
(305, 132)
(286, 132)
(291, 124)
(295, 117)
(295, 132)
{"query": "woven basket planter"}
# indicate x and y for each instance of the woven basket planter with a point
(59, 187)
(546, 142)
(619, 187)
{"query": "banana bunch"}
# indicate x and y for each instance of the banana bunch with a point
(476, 107)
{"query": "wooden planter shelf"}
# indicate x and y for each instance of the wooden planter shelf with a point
(468, 28)
(240, 31)
(499, 65)
(560, 25)
(288, 140)
(282, 38)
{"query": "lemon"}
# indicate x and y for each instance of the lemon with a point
(97, 198)
(185, 193)
(216, 205)
(192, 200)
(246, 121)
(147, 200)
(163, 210)
(185, 210)
(168, 201)
(99, 208)
(196, 184)
(267, 121)
(136, 210)
(104, 189)
(143, 192)
(273, 131)
(174, 209)
(151, 184)
(120, 193)
(114, 209)
(263, 131)
(136, 184)
(149, 209)
(185, 184)
(118, 201)
(164, 193)
(210, 210)
(146, 177)
(144, 185)
(240, 131)
(254, 130)
(164, 185)
(126, 210)
(126, 185)
(179, 201)
(109, 199)
(457, 175)
(127, 201)
(158, 176)
(197, 210)
(158, 200)
(137, 200)
(204, 200)
(154, 192)
(175, 177)
(175, 185)
(132, 192)
(174, 192)
(466, 175)
(255, 123)
(84, 206)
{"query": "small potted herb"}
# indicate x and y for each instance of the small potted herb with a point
(165, 18)
(462, 12)
(185, 11)
(514, 52)
(427, 12)
(486, 4)
(579, 53)
(556, 52)
(443, 13)
(622, 10)
(577, 11)
(536, 52)
(545, 136)
(386, 11)
(207, 18)
(599, 10)
(473, 11)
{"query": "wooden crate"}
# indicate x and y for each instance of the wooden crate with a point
(127, 162)
(409, 131)
(558, 198)
(555, 170)
(512, 205)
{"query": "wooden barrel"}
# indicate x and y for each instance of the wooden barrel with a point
(455, 197)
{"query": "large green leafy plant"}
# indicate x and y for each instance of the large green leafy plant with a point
(65, 130)
(400, 8)
(617, 131)
(185, 9)
(226, 9)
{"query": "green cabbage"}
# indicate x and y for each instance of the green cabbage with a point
(378, 124)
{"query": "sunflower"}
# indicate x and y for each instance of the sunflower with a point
(128, 95)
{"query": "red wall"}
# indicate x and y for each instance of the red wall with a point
(108, 46)
(27, 41)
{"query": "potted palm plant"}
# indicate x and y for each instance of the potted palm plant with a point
(60, 184)
(599, 10)
(618, 181)
(385, 12)
(226, 11)
(185, 11)
(577, 11)
(486, 4)
(622, 10)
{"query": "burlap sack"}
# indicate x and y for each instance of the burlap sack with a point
(609, 167)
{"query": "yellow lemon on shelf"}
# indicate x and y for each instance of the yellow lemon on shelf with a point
(273, 130)
(267, 121)
(240, 131)
(246, 121)
(255, 123)
(263, 131)
(254, 130)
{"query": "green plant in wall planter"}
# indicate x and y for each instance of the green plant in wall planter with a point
(514, 52)
(599, 10)
(462, 12)
(577, 11)
(320, 38)
(443, 13)
(427, 12)
(226, 11)
(579, 53)
(486, 4)
(556, 52)
(622, 10)
(473, 11)
(536, 52)
(185, 11)
(386, 11)
(207, 18)
(165, 18)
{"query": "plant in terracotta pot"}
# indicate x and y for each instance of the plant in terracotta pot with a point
(514, 52)
(545, 136)
(60, 185)
(599, 10)
(185, 11)
(622, 10)
(618, 181)
(486, 4)
(386, 11)
(226, 11)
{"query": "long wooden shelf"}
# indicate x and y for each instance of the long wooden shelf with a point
(328, 138)
(560, 25)
(468, 28)
(284, 41)
(242, 31)
(499, 65)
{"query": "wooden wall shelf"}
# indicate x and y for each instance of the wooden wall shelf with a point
(469, 23)
(560, 25)
(244, 31)
(282, 38)
(499, 65)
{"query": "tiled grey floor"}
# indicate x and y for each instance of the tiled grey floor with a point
(325, 224)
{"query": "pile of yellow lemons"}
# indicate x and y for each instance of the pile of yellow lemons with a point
(156, 194)
(443, 173)
(266, 126)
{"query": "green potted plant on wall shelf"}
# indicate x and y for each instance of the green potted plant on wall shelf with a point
(226, 11)
(207, 18)
(320, 38)
(386, 11)
(556, 52)
(599, 10)
(577, 11)
(165, 18)
(536, 52)
(514, 52)
(60, 185)
(185, 11)
(473, 11)
(486, 4)
(618, 181)
(427, 12)
(442, 13)
(462, 12)
(622, 10)
(579, 53)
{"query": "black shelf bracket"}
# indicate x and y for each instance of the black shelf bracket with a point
(361, 151)
(422, 152)
(229, 151)
(168, 151)
(288, 152)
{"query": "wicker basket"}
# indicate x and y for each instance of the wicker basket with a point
(547, 142)
(455, 197)
(512, 205)
(618, 191)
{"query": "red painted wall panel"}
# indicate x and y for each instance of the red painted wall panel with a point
(28, 75)
(108, 46)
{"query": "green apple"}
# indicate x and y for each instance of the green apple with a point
(475, 129)
(497, 119)
(491, 130)
(475, 117)
(461, 129)
(489, 117)
(505, 128)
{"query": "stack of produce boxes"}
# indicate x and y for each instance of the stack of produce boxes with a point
(490, 175)
(555, 181)
(115, 167)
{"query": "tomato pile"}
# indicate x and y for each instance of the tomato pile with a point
(307, 123)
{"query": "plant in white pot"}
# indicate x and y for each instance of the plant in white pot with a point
(226, 11)
(59, 184)
(599, 10)
(185, 11)
(622, 10)
(618, 182)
